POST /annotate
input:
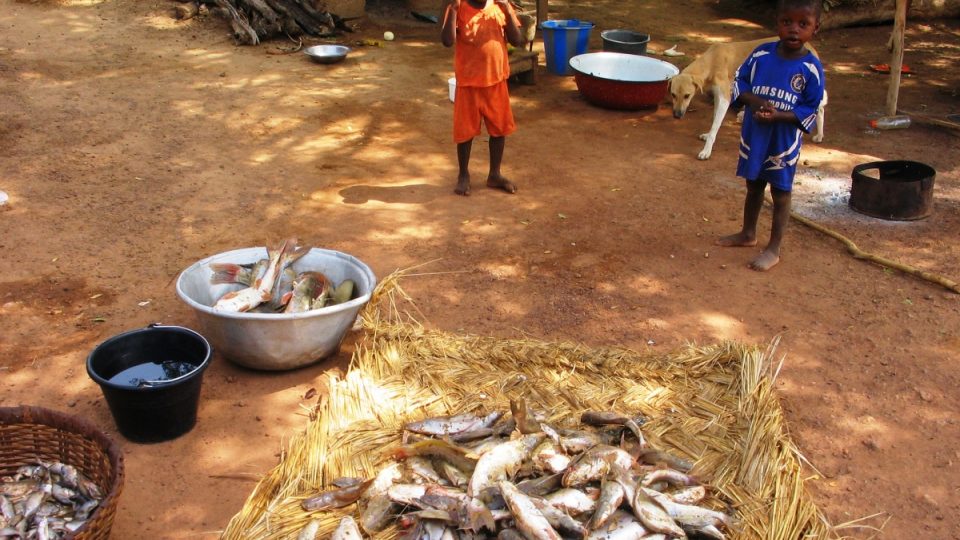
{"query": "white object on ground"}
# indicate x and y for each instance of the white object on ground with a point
(4, 198)
(388, 35)
(672, 51)
(452, 84)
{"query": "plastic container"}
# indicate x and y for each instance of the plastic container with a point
(624, 41)
(899, 121)
(562, 40)
(452, 85)
(156, 410)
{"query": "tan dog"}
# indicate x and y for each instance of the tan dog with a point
(713, 72)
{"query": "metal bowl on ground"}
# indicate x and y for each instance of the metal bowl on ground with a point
(622, 81)
(625, 41)
(276, 341)
(327, 54)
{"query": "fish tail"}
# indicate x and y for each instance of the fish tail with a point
(229, 273)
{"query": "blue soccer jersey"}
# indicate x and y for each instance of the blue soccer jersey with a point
(770, 151)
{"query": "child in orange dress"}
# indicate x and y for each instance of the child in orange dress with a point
(481, 29)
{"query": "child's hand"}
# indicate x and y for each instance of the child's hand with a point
(766, 113)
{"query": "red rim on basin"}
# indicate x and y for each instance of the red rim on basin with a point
(622, 81)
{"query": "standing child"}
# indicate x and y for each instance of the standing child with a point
(481, 29)
(781, 83)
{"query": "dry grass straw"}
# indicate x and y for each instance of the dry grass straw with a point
(714, 405)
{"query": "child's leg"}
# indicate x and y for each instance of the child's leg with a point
(463, 160)
(781, 216)
(495, 179)
(752, 204)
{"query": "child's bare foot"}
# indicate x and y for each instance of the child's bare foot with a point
(500, 182)
(765, 261)
(737, 240)
(463, 186)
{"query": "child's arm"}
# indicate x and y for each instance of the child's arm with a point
(448, 34)
(512, 29)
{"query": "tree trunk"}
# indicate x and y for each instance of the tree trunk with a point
(883, 11)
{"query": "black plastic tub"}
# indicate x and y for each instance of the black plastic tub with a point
(624, 41)
(160, 407)
(894, 190)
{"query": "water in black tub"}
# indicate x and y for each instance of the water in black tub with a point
(152, 372)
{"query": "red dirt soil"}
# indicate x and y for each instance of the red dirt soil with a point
(132, 145)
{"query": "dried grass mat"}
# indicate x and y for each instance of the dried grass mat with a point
(714, 405)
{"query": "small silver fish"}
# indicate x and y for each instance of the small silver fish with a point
(336, 498)
(449, 425)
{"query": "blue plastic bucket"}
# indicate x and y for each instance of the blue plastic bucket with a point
(562, 40)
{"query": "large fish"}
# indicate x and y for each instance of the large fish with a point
(622, 526)
(611, 497)
(310, 291)
(501, 462)
(448, 452)
(594, 464)
(530, 521)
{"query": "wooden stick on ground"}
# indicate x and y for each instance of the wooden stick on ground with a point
(860, 254)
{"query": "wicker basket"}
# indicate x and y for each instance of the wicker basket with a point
(29, 434)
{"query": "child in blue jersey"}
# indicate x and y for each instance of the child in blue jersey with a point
(781, 83)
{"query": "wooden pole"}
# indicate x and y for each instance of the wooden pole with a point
(896, 63)
(541, 11)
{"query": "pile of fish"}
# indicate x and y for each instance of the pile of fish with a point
(272, 286)
(45, 501)
(466, 477)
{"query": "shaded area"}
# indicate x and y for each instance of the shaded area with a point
(144, 145)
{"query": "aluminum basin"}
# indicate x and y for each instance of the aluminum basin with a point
(622, 81)
(276, 341)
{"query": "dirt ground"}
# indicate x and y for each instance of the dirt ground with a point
(132, 145)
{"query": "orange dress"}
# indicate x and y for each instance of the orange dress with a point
(481, 66)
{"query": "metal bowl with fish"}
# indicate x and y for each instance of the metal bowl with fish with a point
(276, 341)
(327, 54)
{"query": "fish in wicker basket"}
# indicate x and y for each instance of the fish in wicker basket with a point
(60, 477)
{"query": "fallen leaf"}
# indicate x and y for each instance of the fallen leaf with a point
(561, 216)
(98, 295)
(98, 319)
(144, 303)
(616, 189)
(310, 393)
(54, 259)
(547, 252)
(525, 221)
(464, 222)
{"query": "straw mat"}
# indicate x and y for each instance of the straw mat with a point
(714, 405)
